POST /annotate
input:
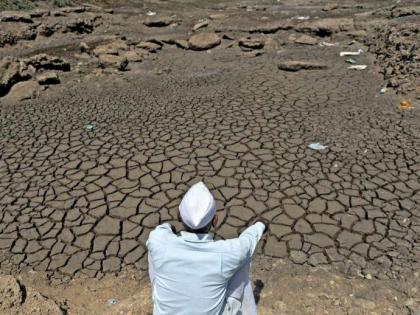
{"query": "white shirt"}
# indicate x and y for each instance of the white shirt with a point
(190, 273)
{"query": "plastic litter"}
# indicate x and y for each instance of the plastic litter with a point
(357, 67)
(112, 302)
(351, 53)
(90, 127)
(317, 146)
(327, 44)
(350, 60)
(383, 90)
(405, 104)
(302, 18)
(150, 13)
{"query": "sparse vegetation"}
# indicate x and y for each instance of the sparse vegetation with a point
(17, 4)
(30, 4)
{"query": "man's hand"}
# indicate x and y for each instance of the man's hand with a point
(266, 230)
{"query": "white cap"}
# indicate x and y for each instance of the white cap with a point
(198, 207)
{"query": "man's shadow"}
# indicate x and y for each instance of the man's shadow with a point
(258, 287)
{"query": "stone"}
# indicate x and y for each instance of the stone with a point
(158, 21)
(117, 62)
(182, 43)
(15, 16)
(326, 27)
(270, 43)
(10, 293)
(112, 48)
(48, 78)
(39, 13)
(79, 26)
(84, 47)
(132, 56)
(105, 49)
(204, 41)
(330, 7)
(199, 25)
(251, 43)
(12, 71)
(297, 65)
(22, 91)
(47, 62)
(359, 34)
(306, 40)
(149, 46)
(18, 299)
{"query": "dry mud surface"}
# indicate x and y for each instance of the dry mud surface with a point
(107, 116)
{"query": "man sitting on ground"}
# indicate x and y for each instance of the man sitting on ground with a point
(192, 274)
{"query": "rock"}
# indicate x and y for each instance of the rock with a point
(326, 27)
(47, 29)
(80, 26)
(111, 49)
(48, 78)
(78, 9)
(22, 91)
(182, 43)
(84, 47)
(252, 54)
(13, 71)
(149, 46)
(251, 43)
(396, 49)
(270, 43)
(306, 40)
(298, 65)
(330, 7)
(360, 34)
(132, 56)
(117, 62)
(39, 13)
(405, 11)
(47, 62)
(17, 299)
(66, 10)
(15, 16)
(158, 21)
(204, 41)
(217, 16)
(199, 25)
(11, 294)
(105, 50)
(10, 35)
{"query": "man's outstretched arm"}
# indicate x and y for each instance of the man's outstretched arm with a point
(251, 236)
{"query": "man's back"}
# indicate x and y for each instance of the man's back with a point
(190, 273)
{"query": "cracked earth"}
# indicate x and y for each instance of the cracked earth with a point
(78, 201)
